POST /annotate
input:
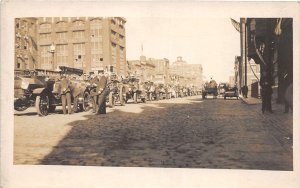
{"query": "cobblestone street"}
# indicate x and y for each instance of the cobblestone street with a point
(183, 132)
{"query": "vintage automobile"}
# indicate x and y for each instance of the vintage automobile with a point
(33, 88)
(152, 90)
(40, 88)
(210, 89)
(79, 89)
(29, 89)
(222, 87)
(231, 92)
(161, 91)
(133, 90)
(117, 92)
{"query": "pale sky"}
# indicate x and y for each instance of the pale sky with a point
(212, 42)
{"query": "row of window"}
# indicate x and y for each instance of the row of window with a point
(94, 24)
(95, 34)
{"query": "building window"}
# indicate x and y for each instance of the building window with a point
(45, 26)
(19, 63)
(97, 61)
(96, 34)
(78, 23)
(17, 23)
(114, 53)
(78, 34)
(96, 24)
(26, 45)
(61, 24)
(61, 36)
(45, 57)
(62, 55)
(45, 36)
(79, 55)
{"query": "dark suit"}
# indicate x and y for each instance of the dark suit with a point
(266, 93)
(95, 82)
(65, 94)
(103, 90)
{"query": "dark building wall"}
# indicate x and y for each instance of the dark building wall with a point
(285, 57)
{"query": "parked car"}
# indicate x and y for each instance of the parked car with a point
(133, 90)
(222, 88)
(117, 93)
(34, 88)
(231, 92)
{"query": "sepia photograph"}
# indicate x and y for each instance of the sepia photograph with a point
(137, 91)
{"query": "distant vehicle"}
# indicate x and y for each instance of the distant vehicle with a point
(117, 93)
(133, 90)
(231, 92)
(222, 88)
(210, 89)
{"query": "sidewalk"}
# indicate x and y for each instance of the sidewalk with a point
(250, 100)
(281, 126)
(275, 106)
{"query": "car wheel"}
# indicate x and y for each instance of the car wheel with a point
(86, 104)
(42, 105)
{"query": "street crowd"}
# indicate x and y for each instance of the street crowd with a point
(99, 86)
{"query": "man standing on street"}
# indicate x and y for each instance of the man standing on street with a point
(266, 93)
(102, 90)
(94, 82)
(65, 94)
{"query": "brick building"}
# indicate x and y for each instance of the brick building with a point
(25, 44)
(161, 70)
(88, 43)
(142, 68)
(191, 72)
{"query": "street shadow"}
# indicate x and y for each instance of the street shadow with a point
(25, 114)
(137, 138)
(165, 135)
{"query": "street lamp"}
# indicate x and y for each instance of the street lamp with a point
(52, 51)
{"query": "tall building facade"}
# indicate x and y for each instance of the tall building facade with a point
(142, 68)
(192, 72)
(162, 67)
(88, 43)
(25, 44)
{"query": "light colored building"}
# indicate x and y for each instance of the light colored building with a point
(232, 81)
(192, 73)
(161, 70)
(143, 69)
(88, 43)
(25, 44)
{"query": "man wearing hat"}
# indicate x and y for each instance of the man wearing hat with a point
(65, 94)
(94, 93)
(102, 90)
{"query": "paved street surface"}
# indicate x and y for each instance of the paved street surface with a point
(184, 132)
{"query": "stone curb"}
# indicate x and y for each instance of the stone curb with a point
(250, 100)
